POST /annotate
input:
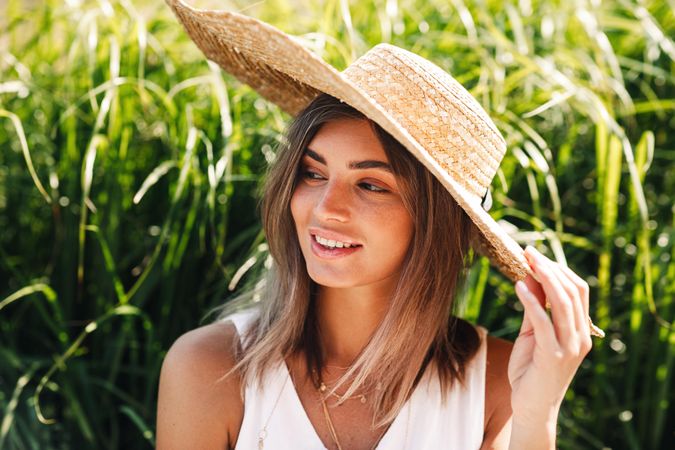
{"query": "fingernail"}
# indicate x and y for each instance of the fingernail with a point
(530, 251)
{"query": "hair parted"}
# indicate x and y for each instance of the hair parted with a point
(423, 306)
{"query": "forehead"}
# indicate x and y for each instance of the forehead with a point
(347, 139)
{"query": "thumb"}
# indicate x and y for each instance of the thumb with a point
(526, 327)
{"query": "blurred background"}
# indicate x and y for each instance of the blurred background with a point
(129, 169)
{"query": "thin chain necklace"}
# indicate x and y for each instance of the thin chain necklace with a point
(323, 388)
(263, 433)
(329, 422)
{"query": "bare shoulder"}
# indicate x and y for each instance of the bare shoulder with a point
(498, 354)
(197, 406)
(497, 394)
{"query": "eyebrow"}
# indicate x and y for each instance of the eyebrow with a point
(367, 164)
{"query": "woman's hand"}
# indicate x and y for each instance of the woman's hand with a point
(547, 353)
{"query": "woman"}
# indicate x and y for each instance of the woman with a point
(369, 214)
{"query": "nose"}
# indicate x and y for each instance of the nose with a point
(333, 203)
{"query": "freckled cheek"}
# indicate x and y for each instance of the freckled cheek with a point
(391, 224)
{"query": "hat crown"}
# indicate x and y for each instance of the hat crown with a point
(437, 111)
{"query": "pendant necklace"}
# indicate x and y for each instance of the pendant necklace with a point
(331, 428)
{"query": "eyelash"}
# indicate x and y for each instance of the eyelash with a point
(307, 174)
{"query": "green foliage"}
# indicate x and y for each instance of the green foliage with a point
(129, 168)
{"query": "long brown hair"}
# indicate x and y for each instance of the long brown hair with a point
(420, 328)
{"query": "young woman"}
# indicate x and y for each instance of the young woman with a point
(353, 341)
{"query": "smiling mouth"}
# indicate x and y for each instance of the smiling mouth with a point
(330, 244)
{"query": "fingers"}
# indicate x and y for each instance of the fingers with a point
(583, 317)
(535, 287)
(575, 301)
(582, 286)
(583, 289)
(537, 317)
(562, 307)
(572, 293)
(526, 327)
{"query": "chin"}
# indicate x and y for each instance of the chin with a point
(332, 281)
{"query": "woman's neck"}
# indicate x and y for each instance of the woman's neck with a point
(348, 317)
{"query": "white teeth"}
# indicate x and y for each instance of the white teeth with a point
(331, 243)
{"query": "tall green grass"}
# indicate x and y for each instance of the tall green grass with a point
(129, 168)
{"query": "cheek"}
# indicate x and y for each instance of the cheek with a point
(299, 206)
(394, 227)
(404, 229)
(295, 207)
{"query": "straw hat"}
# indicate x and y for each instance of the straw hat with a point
(414, 100)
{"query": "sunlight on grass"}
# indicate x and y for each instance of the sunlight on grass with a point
(130, 166)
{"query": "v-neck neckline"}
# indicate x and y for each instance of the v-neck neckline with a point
(295, 396)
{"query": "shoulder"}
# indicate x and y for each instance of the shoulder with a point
(197, 406)
(497, 394)
(497, 360)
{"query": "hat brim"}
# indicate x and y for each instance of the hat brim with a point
(288, 74)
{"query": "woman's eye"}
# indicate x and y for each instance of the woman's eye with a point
(308, 174)
(372, 188)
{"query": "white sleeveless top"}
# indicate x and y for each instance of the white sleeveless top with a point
(275, 412)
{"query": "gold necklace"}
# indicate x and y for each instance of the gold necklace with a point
(263, 432)
(323, 388)
(331, 427)
(338, 367)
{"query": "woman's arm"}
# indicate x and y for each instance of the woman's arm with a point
(547, 352)
(196, 408)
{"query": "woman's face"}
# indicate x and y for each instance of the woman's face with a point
(347, 198)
